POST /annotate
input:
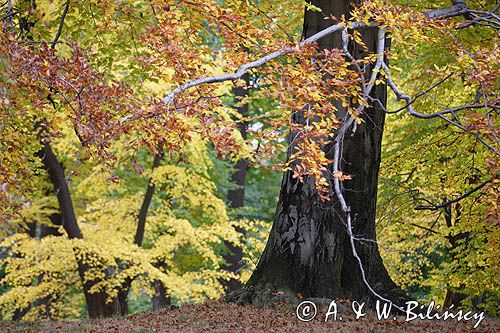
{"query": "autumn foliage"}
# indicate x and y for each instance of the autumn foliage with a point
(109, 85)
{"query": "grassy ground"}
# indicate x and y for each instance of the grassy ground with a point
(222, 317)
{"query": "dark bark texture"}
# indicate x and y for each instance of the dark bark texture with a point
(308, 250)
(453, 297)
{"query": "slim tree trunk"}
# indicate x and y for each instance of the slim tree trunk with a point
(236, 196)
(52, 230)
(453, 297)
(309, 250)
(96, 302)
(159, 299)
(143, 212)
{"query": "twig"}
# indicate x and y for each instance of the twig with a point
(425, 228)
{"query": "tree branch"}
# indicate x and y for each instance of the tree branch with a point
(463, 196)
(412, 112)
(61, 23)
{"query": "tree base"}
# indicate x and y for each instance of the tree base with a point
(269, 296)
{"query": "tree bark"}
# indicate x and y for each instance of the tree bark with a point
(123, 298)
(96, 302)
(160, 299)
(236, 196)
(309, 251)
(143, 212)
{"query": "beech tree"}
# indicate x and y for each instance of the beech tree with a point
(310, 251)
(90, 95)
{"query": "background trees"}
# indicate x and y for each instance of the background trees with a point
(95, 83)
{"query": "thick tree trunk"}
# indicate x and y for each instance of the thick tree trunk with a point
(236, 197)
(309, 251)
(123, 299)
(96, 302)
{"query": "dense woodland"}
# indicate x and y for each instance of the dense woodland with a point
(163, 153)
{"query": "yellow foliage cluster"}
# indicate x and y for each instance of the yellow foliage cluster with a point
(186, 226)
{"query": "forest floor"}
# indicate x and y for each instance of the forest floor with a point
(216, 316)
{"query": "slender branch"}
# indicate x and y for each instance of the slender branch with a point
(336, 166)
(422, 93)
(347, 211)
(492, 20)
(256, 63)
(367, 87)
(463, 196)
(425, 228)
(61, 23)
(452, 110)
(412, 112)
(261, 61)
(290, 38)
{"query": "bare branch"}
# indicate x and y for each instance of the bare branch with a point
(457, 10)
(61, 23)
(339, 137)
(256, 63)
(452, 110)
(420, 94)
(463, 196)
(412, 112)
(425, 228)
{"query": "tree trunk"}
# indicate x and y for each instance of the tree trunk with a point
(123, 298)
(96, 302)
(453, 297)
(236, 197)
(143, 212)
(160, 299)
(309, 251)
(51, 230)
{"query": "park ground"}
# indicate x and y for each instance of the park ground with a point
(215, 316)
